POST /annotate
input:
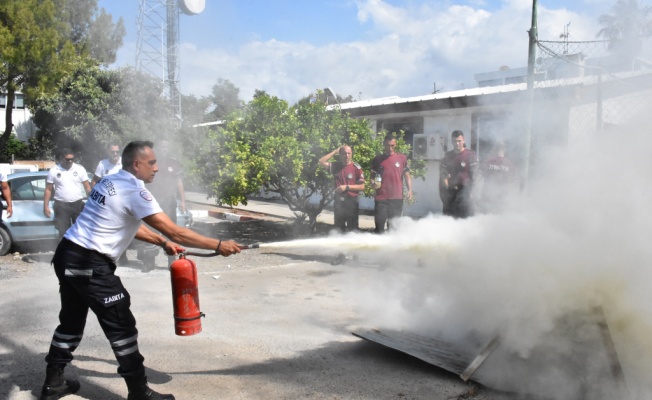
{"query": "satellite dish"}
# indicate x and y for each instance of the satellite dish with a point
(192, 7)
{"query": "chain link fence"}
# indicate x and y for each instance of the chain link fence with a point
(601, 87)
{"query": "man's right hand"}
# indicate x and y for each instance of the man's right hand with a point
(228, 247)
(47, 212)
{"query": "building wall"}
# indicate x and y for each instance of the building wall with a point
(24, 128)
(437, 125)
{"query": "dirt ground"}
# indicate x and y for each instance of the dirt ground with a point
(278, 326)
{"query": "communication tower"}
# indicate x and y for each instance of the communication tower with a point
(157, 49)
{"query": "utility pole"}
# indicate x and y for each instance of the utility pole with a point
(531, 59)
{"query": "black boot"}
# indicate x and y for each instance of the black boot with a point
(138, 390)
(55, 386)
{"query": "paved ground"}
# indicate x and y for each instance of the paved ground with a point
(278, 326)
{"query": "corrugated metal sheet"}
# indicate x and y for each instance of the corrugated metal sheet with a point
(574, 360)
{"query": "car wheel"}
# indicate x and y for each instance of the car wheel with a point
(5, 242)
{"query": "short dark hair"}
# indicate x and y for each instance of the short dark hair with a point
(457, 134)
(65, 151)
(389, 137)
(131, 151)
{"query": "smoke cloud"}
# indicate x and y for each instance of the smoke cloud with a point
(579, 239)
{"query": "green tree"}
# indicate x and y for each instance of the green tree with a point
(94, 106)
(625, 26)
(35, 51)
(326, 98)
(17, 149)
(42, 41)
(93, 31)
(274, 147)
(224, 99)
(192, 137)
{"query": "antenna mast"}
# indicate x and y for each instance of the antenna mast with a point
(157, 49)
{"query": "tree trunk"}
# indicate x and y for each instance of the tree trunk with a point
(9, 122)
(312, 219)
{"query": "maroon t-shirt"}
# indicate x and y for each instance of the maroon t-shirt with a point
(500, 177)
(391, 168)
(460, 166)
(499, 171)
(350, 174)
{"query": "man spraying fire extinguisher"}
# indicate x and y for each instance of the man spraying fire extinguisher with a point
(84, 263)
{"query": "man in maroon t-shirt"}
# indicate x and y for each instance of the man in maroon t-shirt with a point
(387, 172)
(456, 175)
(349, 181)
(499, 180)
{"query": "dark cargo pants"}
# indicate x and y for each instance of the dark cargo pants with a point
(87, 281)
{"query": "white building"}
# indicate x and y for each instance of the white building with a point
(565, 109)
(22, 119)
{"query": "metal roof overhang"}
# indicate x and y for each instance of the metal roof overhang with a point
(448, 103)
(578, 92)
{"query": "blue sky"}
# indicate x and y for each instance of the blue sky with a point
(363, 48)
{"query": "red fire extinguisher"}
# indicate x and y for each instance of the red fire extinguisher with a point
(185, 297)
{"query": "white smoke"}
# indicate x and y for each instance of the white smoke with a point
(533, 275)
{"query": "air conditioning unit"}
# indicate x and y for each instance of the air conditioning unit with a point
(428, 147)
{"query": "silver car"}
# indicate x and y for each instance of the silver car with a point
(28, 224)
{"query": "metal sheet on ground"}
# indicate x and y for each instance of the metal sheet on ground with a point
(431, 350)
(569, 362)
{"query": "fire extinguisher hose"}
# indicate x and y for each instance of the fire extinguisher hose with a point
(198, 254)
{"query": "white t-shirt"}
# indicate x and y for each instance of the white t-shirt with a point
(112, 215)
(106, 168)
(3, 177)
(68, 186)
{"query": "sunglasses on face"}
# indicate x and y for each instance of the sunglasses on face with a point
(68, 159)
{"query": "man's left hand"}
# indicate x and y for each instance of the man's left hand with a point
(172, 249)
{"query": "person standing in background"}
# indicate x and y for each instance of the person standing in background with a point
(110, 165)
(166, 188)
(66, 183)
(456, 175)
(6, 194)
(349, 181)
(388, 170)
(498, 180)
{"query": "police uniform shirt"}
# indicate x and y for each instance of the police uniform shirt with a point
(68, 186)
(112, 215)
(105, 167)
